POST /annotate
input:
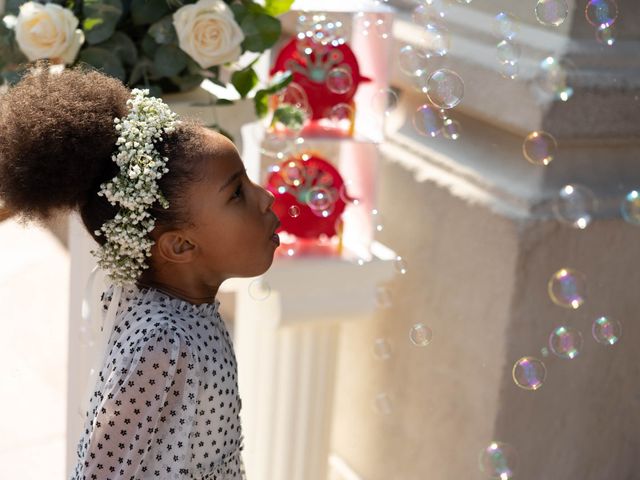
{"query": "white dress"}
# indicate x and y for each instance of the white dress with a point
(166, 401)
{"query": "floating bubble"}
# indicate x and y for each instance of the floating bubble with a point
(567, 288)
(565, 342)
(346, 194)
(605, 35)
(508, 52)
(340, 113)
(276, 146)
(553, 77)
(426, 121)
(294, 211)
(445, 88)
(529, 373)
(630, 207)
(601, 12)
(428, 11)
(606, 330)
(292, 173)
(575, 206)
(505, 26)
(498, 460)
(552, 12)
(451, 129)
(382, 404)
(420, 335)
(436, 37)
(510, 70)
(293, 94)
(412, 60)
(377, 220)
(381, 349)
(339, 80)
(400, 265)
(539, 148)
(385, 100)
(259, 289)
(383, 297)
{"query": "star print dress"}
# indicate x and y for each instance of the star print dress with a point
(166, 401)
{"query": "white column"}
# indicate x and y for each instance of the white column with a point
(286, 349)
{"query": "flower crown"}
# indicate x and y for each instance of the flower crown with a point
(135, 189)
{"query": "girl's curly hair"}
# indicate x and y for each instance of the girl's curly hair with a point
(57, 137)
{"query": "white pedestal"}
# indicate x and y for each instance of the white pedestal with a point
(286, 348)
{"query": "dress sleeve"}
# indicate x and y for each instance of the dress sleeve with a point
(146, 410)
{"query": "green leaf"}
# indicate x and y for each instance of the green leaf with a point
(142, 67)
(149, 46)
(100, 19)
(187, 82)
(277, 7)
(145, 12)
(261, 31)
(103, 60)
(244, 80)
(290, 115)
(163, 31)
(122, 46)
(261, 99)
(169, 60)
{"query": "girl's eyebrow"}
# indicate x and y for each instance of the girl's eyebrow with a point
(232, 178)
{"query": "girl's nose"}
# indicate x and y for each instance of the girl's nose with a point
(270, 198)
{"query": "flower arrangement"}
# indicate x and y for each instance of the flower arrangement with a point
(164, 46)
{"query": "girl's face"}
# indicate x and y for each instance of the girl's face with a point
(233, 224)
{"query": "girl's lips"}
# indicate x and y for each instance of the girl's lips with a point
(275, 239)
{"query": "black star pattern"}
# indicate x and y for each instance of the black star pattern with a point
(158, 410)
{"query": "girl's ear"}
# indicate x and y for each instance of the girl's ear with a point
(173, 246)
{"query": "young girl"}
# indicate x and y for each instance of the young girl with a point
(174, 214)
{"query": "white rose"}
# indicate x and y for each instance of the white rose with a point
(48, 31)
(208, 32)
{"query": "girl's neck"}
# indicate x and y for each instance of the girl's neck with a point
(176, 292)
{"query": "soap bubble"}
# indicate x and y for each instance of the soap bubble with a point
(529, 373)
(605, 36)
(508, 52)
(445, 88)
(451, 129)
(400, 265)
(505, 26)
(292, 173)
(551, 12)
(259, 289)
(420, 335)
(340, 113)
(630, 207)
(346, 194)
(339, 80)
(319, 198)
(294, 211)
(567, 288)
(575, 206)
(276, 146)
(381, 349)
(429, 11)
(385, 100)
(601, 12)
(553, 77)
(382, 404)
(377, 220)
(426, 121)
(565, 342)
(412, 60)
(436, 37)
(606, 330)
(383, 297)
(510, 70)
(498, 460)
(539, 148)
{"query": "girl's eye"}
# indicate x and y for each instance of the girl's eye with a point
(238, 192)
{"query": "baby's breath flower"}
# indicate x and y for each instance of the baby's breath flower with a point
(135, 188)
